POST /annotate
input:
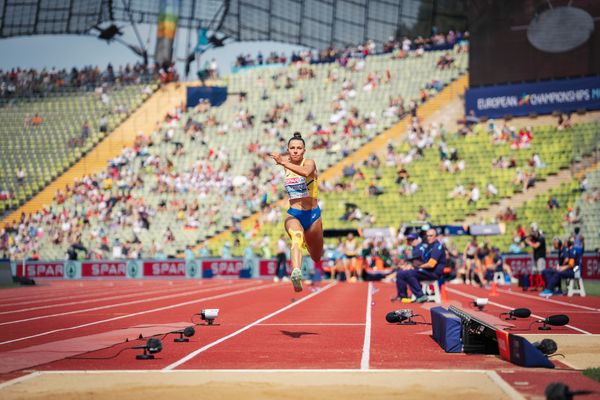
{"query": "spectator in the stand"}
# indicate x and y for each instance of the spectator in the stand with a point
(226, 251)
(491, 190)
(374, 190)
(573, 215)
(515, 246)
(423, 215)
(349, 171)
(552, 203)
(21, 175)
(36, 120)
(103, 124)
(475, 195)
(117, 250)
(85, 132)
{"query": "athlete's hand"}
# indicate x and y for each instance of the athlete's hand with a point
(277, 157)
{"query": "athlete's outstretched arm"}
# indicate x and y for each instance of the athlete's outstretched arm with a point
(305, 170)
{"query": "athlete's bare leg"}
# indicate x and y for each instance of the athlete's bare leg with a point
(314, 240)
(296, 233)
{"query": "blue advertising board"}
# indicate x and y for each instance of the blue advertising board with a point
(565, 95)
(215, 94)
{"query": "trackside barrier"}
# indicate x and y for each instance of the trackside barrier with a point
(523, 264)
(149, 268)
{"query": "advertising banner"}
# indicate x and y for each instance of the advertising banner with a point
(565, 95)
(523, 263)
(104, 268)
(164, 268)
(219, 267)
(41, 269)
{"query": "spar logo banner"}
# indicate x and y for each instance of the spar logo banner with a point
(269, 267)
(40, 269)
(96, 269)
(565, 95)
(523, 264)
(222, 267)
(164, 268)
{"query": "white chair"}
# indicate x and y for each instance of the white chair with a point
(499, 278)
(432, 290)
(575, 285)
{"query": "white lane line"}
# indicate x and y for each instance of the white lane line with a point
(366, 353)
(72, 294)
(510, 308)
(548, 300)
(220, 296)
(92, 300)
(316, 324)
(258, 321)
(83, 293)
(129, 303)
(504, 386)
(19, 379)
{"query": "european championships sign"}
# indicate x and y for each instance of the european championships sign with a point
(567, 95)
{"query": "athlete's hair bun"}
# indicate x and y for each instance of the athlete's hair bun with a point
(297, 136)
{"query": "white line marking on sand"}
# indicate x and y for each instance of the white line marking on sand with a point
(19, 379)
(504, 386)
(366, 353)
(258, 321)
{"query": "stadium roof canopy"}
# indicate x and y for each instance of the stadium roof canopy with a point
(312, 23)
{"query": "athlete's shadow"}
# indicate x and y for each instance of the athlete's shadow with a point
(297, 335)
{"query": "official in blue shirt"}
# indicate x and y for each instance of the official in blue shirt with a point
(430, 267)
(571, 258)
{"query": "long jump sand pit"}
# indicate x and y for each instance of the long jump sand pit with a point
(580, 351)
(258, 384)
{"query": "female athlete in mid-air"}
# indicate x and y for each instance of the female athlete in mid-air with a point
(303, 224)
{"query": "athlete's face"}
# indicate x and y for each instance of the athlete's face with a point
(296, 150)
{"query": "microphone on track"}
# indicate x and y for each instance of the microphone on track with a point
(560, 391)
(152, 346)
(517, 313)
(554, 320)
(399, 316)
(188, 331)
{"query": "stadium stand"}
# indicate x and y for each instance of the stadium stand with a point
(183, 170)
(408, 189)
(50, 120)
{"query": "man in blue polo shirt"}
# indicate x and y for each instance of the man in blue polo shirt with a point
(430, 267)
(564, 270)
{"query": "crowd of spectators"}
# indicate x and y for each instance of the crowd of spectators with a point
(21, 82)
(347, 57)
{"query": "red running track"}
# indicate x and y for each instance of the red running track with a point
(264, 325)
